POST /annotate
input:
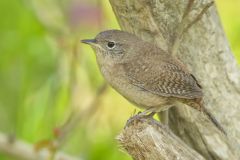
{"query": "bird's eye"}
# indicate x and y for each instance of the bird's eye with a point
(111, 45)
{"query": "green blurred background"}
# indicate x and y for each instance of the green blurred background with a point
(46, 74)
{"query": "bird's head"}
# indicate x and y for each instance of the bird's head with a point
(113, 46)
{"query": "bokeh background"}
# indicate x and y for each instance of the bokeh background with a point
(47, 75)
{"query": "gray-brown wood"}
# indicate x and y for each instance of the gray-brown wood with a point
(205, 50)
(147, 139)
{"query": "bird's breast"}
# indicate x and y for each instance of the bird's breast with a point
(117, 78)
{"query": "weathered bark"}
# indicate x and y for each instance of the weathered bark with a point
(147, 139)
(205, 50)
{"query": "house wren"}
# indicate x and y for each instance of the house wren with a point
(145, 74)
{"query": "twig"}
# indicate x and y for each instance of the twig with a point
(76, 117)
(23, 150)
(188, 9)
(199, 16)
(181, 29)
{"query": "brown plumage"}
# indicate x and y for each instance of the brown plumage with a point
(145, 74)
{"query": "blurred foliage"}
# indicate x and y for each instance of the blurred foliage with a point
(229, 13)
(45, 73)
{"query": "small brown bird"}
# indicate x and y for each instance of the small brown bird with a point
(145, 74)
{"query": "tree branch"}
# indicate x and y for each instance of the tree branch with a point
(147, 139)
(22, 150)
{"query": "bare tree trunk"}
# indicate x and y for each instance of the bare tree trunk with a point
(205, 50)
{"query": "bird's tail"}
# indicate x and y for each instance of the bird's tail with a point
(214, 121)
(198, 104)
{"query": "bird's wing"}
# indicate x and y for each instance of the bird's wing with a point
(166, 78)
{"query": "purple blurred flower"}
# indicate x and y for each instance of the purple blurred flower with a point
(85, 14)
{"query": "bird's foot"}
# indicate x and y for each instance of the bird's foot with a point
(146, 114)
(141, 116)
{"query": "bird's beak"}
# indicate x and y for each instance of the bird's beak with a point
(89, 41)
